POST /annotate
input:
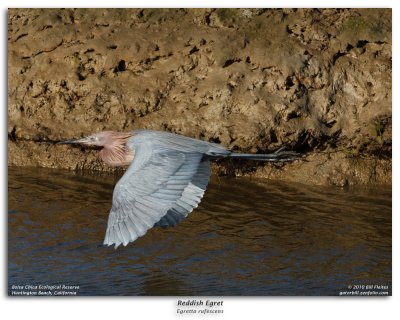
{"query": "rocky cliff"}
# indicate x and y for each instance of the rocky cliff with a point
(316, 80)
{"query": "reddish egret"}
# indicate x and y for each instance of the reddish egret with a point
(166, 179)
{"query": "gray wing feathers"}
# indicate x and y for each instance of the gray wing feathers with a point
(190, 198)
(179, 143)
(159, 179)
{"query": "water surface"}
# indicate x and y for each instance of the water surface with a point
(248, 237)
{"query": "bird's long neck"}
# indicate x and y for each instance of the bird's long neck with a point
(116, 153)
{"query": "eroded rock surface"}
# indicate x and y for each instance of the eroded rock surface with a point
(318, 81)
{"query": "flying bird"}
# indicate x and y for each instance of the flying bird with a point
(166, 178)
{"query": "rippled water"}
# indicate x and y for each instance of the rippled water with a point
(248, 237)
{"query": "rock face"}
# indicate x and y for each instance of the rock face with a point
(318, 81)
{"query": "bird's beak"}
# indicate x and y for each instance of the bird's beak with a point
(86, 141)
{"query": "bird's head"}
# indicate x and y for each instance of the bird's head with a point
(99, 139)
(113, 144)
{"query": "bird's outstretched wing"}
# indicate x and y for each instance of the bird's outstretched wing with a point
(160, 182)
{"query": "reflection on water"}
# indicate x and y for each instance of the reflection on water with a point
(248, 237)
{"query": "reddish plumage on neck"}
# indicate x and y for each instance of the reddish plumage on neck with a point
(115, 152)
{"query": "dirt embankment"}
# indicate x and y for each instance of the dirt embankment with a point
(316, 80)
